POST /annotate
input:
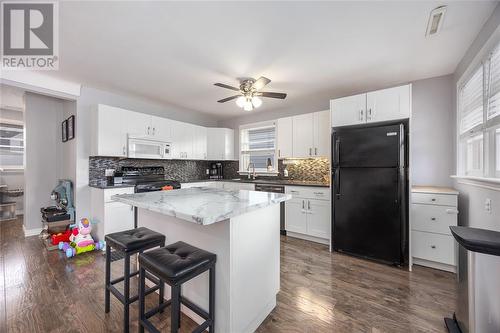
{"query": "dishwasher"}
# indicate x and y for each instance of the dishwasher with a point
(275, 189)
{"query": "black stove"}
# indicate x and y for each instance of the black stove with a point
(148, 179)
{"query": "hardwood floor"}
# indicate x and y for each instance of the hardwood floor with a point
(42, 291)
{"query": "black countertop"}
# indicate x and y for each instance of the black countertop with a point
(477, 240)
(105, 186)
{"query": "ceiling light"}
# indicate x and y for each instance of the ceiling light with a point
(435, 21)
(256, 101)
(248, 105)
(240, 101)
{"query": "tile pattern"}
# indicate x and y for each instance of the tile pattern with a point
(310, 169)
(181, 170)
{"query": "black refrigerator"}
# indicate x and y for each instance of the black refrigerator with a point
(370, 191)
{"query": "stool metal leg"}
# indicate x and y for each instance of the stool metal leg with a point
(211, 299)
(161, 296)
(174, 317)
(107, 279)
(126, 293)
(142, 311)
(180, 302)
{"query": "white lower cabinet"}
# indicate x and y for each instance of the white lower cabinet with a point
(110, 216)
(307, 214)
(433, 211)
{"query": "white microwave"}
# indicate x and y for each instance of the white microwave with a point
(148, 148)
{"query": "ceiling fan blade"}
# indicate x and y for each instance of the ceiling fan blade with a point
(271, 94)
(222, 85)
(260, 83)
(228, 98)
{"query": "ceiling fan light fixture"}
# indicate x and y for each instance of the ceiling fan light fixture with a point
(240, 101)
(256, 101)
(248, 105)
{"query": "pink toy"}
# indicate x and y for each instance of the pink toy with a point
(80, 240)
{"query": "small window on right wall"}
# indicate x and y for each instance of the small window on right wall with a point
(479, 120)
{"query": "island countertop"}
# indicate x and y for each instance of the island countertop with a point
(202, 205)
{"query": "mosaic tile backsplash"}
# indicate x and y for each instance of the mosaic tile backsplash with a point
(310, 169)
(181, 170)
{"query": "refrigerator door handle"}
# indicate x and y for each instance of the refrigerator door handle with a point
(337, 182)
(337, 152)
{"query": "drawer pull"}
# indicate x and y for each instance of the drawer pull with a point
(451, 211)
(433, 199)
(433, 246)
(319, 193)
(433, 219)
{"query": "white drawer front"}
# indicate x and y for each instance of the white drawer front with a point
(432, 218)
(434, 247)
(320, 193)
(435, 199)
(109, 192)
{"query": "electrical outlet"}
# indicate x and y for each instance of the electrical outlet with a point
(109, 172)
(487, 205)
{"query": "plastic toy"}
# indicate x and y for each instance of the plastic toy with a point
(60, 237)
(80, 240)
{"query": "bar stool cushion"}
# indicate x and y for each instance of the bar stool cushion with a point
(176, 261)
(134, 239)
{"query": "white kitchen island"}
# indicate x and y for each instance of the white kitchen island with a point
(242, 228)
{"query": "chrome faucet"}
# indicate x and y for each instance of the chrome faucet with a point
(253, 172)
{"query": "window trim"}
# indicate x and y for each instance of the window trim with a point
(242, 170)
(486, 127)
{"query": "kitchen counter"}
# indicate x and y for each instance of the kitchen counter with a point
(104, 186)
(202, 205)
(285, 182)
(477, 240)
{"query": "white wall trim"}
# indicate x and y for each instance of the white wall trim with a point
(31, 232)
(486, 183)
(40, 83)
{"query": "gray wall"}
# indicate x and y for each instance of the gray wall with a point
(90, 97)
(432, 160)
(43, 154)
(432, 131)
(471, 206)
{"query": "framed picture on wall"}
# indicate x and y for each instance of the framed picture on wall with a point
(64, 130)
(71, 127)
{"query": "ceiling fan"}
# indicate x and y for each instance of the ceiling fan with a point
(249, 93)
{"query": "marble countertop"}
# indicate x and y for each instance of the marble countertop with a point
(289, 182)
(202, 205)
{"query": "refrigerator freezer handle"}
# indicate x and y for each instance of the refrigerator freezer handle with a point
(337, 152)
(336, 182)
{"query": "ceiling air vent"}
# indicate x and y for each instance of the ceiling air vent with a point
(435, 21)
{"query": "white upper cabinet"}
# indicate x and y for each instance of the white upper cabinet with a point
(284, 137)
(136, 124)
(220, 144)
(161, 128)
(349, 110)
(321, 132)
(375, 106)
(182, 140)
(200, 143)
(388, 104)
(108, 136)
(310, 135)
(303, 137)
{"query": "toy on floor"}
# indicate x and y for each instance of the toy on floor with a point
(60, 237)
(80, 240)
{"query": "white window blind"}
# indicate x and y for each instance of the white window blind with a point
(258, 147)
(471, 102)
(494, 85)
(11, 145)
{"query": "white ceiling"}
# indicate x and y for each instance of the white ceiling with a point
(173, 52)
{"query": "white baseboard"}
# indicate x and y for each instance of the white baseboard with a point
(19, 212)
(435, 265)
(308, 238)
(31, 232)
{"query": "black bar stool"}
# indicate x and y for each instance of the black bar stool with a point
(175, 264)
(125, 244)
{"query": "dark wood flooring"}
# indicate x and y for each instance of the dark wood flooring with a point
(42, 291)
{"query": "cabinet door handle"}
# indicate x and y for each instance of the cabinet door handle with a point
(451, 211)
(433, 246)
(433, 219)
(149, 130)
(279, 152)
(315, 151)
(308, 204)
(433, 199)
(310, 151)
(154, 129)
(369, 114)
(318, 193)
(124, 151)
(303, 204)
(361, 114)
